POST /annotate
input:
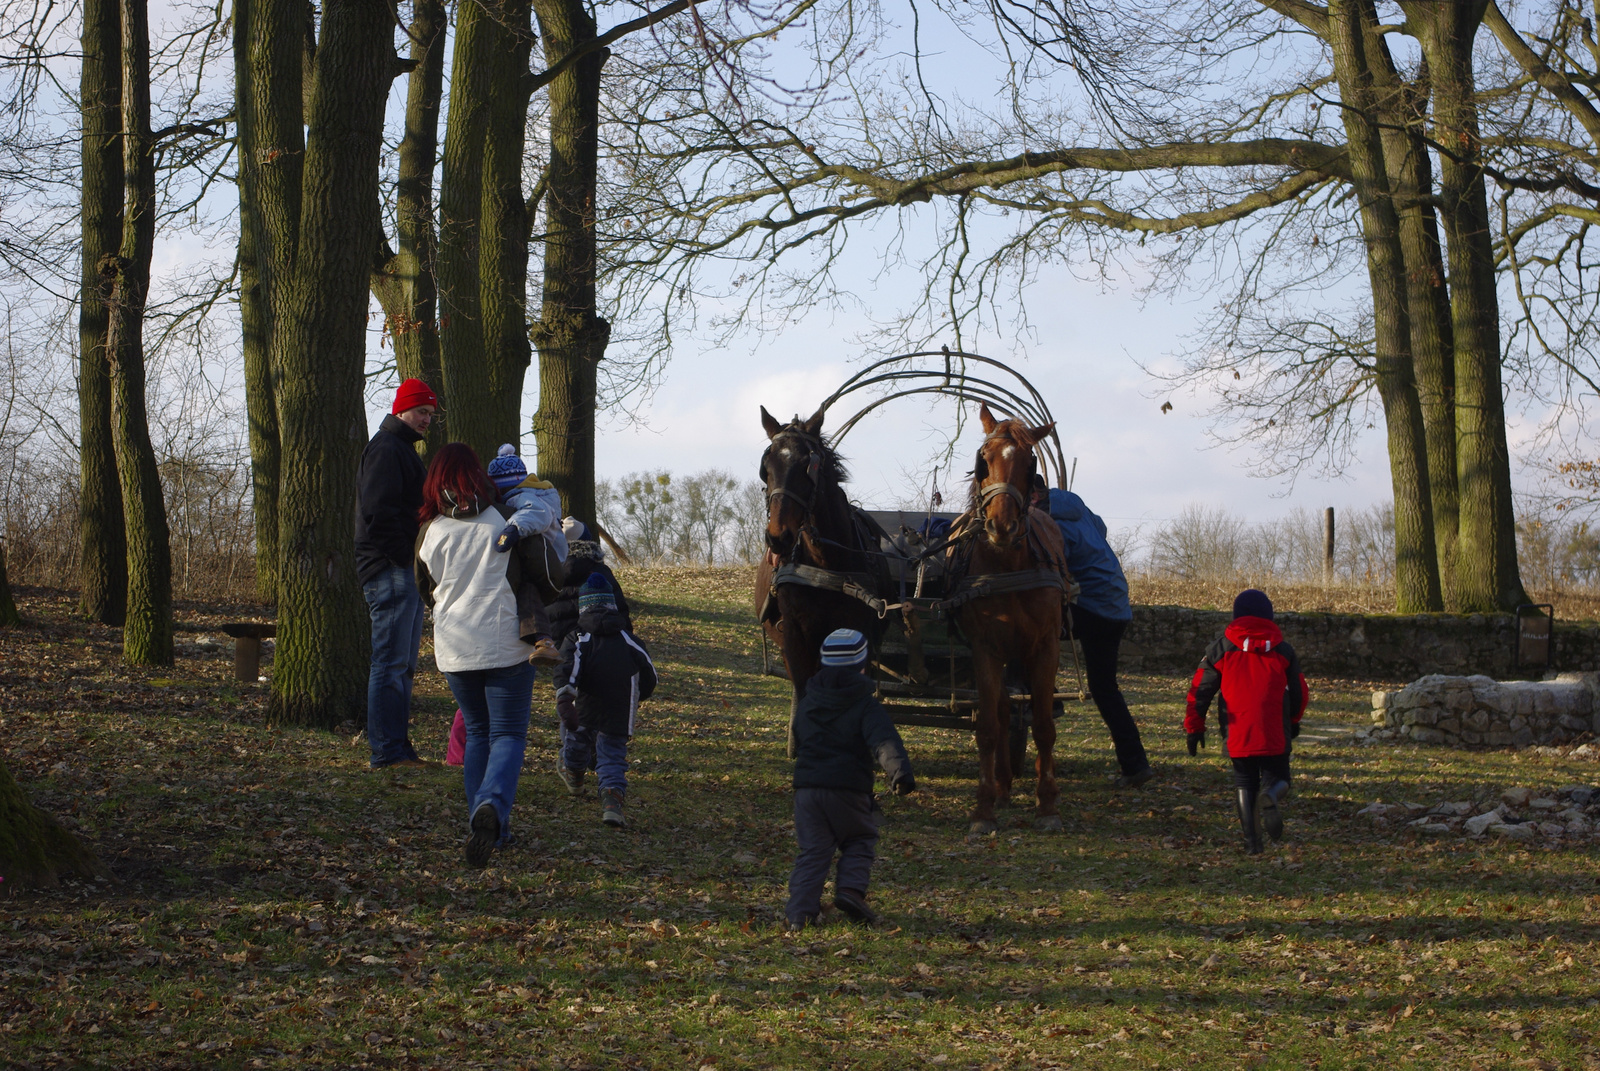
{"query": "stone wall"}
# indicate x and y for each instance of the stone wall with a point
(1171, 639)
(1478, 711)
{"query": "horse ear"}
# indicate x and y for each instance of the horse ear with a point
(986, 418)
(1041, 431)
(813, 424)
(770, 423)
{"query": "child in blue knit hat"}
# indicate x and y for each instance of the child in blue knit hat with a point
(604, 674)
(537, 504)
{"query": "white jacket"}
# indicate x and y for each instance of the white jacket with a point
(475, 621)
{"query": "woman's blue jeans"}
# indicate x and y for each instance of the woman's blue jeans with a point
(494, 705)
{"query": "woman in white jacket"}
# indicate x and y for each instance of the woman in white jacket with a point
(487, 614)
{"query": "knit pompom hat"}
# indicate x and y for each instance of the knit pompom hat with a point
(1252, 603)
(596, 594)
(507, 469)
(844, 647)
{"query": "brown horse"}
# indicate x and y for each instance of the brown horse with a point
(1014, 572)
(819, 550)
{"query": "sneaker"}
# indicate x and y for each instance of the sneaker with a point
(796, 925)
(611, 808)
(854, 904)
(485, 832)
(413, 763)
(573, 779)
(1135, 779)
(545, 653)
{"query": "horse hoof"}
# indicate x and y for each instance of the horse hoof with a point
(1050, 823)
(982, 827)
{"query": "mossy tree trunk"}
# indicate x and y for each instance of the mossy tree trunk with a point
(1487, 574)
(316, 196)
(483, 226)
(1416, 558)
(570, 334)
(125, 286)
(403, 279)
(8, 605)
(104, 565)
(34, 850)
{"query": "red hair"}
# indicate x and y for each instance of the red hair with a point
(457, 470)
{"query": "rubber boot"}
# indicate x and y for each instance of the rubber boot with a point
(1247, 819)
(1271, 816)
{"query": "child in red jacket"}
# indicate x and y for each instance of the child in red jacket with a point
(1263, 699)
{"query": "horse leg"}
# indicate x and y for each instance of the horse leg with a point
(802, 661)
(1042, 683)
(991, 740)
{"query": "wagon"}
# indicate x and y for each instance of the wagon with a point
(922, 664)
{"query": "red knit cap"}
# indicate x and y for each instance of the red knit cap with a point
(412, 393)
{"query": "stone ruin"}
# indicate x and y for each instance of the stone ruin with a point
(1481, 712)
(1520, 814)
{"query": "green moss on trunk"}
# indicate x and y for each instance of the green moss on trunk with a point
(34, 850)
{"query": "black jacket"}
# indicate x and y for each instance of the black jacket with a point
(840, 728)
(607, 670)
(583, 558)
(388, 496)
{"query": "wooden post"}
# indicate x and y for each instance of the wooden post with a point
(1327, 548)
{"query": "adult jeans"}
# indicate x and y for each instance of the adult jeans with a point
(590, 749)
(494, 705)
(829, 820)
(1100, 638)
(396, 610)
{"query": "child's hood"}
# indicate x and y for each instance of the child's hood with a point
(832, 698)
(1254, 634)
(537, 484)
(606, 621)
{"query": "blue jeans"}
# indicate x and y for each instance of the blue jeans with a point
(494, 704)
(590, 749)
(396, 610)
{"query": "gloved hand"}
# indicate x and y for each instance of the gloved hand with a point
(568, 712)
(1197, 740)
(507, 539)
(904, 787)
(1294, 730)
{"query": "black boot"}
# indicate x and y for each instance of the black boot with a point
(1247, 819)
(1271, 816)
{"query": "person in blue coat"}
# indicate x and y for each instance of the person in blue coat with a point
(1098, 617)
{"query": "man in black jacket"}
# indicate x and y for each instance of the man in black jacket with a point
(840, 730)
(389, 494)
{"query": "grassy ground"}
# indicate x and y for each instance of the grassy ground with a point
(274, 904)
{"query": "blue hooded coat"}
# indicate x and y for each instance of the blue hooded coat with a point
(1103, 589)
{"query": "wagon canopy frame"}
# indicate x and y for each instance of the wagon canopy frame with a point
(953, 380)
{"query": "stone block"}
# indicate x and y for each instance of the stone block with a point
(1520, 831)
(1516, 796)
(1574, 722)
(1422, 734)
(1479, 824)
(1381, 700)
(1450, 725)
(1476, 719)
(1522, 737)
(1470, 737)
(1517, 723)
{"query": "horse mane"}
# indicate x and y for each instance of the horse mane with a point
(833, 464)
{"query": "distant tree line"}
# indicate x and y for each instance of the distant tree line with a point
(709, 518)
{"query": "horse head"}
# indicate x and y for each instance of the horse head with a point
(1002, 476)
(797, 468)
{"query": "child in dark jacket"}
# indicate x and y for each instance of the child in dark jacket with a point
(840, 729)
(604, 673)
(1263, 698)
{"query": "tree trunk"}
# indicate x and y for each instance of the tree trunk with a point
(8, 605)
(1401, 108)
(1487, 576)
(570, 334)
(404, 279)
(34, 849)
(125, 286)
(104, 568)
(261, 408)
(1416, 560)
(318, 210)
(483, 229)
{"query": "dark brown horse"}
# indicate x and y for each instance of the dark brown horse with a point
(820, 549)
(1013, 570)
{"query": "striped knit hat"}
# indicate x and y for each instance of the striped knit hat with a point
(507, 469)
(596, 594)
(844, 647)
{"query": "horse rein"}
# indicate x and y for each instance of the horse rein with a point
(813, 468)
(988, 492)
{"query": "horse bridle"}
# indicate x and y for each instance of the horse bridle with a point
(988, 492)
(813, 468)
